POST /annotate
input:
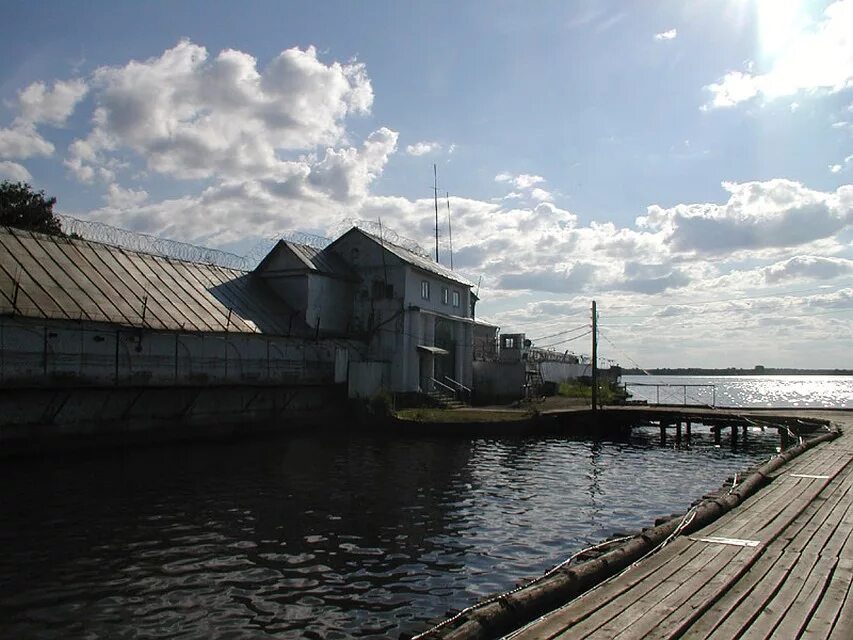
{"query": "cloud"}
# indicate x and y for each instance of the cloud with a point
(667, 35)
(820, 58)
(191, 116)
(835, 168)
(38, 104)
(521, 181)
(423, 148)
(758, 215)
(23, 141)
(14, 172)
(808, 268)
(541, 195)
(121, 198)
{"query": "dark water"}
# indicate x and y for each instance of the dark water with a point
(318, 537)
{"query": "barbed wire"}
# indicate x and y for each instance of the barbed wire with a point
(384, 231)
(144, 243)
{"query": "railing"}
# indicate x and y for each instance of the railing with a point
(670, 389)
(451, 390)
(462, 392)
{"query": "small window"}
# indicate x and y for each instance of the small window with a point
(445, 295)
(353, 254)
(425, 289)
(509, 343)
(455, 298)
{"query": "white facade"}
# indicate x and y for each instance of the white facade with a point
(415, 315)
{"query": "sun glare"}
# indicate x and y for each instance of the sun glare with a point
(779, 22)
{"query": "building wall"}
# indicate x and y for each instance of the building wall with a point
(498, 381)
(36, 352)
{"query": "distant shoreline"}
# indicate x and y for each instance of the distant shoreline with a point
(763, 371)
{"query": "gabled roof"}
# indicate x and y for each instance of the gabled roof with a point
(292, 256)
(61, 278)
(409, 257)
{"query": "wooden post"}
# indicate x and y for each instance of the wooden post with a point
(688, 427)
(716, 429)
(662, 434)
(734, 436)
(678, 433)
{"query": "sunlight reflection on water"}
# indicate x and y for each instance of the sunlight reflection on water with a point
(748, 391)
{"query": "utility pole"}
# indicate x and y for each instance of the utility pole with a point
(594, 357)
(449, 230)
(435, 197)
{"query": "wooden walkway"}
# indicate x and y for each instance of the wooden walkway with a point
(780, 565)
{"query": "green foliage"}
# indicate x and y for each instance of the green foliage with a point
(23, 208)
(578, 389)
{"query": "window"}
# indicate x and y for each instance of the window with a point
(425, 289)
(509, 343)
(445, 295)
(455, 298)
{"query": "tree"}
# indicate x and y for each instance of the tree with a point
(23, 208)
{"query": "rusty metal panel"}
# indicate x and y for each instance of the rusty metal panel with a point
(41, 288)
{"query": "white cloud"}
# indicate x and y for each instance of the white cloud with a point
(423, 148)
(120, 198)
(808, 268)
(53, 106)
(190, 116)
(541, 195)
(521, 181)
(819, 58)
(835, 168)
(758, 215)
(733, 88)
(23, 141)
(14, 172)
(667, 35)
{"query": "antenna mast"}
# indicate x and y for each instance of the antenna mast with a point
(435, 195)
(449, 229)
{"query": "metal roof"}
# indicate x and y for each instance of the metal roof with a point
(320, 260)
(61, 278)
(412, 258)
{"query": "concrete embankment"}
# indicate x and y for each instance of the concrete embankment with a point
(503, 613)
(62, 417)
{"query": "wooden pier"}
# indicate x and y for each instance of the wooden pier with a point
(771, 559)
(780, 565)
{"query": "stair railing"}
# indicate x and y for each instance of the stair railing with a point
(461, 391)
(450, 390)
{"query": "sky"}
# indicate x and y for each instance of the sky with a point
(688, 165)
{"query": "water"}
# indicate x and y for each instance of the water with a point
(318, 536)
(748, 391)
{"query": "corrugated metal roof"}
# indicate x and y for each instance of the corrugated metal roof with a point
(61, 278)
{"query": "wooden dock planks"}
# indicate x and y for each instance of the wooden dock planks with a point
(796, 581)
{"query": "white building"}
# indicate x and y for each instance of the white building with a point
(414, 315)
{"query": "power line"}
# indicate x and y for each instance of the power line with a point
(578, 337)
(554, 335)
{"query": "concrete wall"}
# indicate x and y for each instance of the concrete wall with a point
(563, 371)
(498, 381)
(367, 378)
(36, 352)
(38, 419)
